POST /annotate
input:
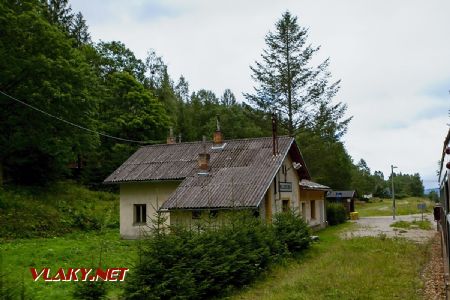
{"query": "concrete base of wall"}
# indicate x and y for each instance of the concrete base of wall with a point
(318, 227)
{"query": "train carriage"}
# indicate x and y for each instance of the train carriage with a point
(442, 212)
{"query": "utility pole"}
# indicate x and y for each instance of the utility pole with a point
(393, 193)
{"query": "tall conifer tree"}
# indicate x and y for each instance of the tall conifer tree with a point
(287, 82)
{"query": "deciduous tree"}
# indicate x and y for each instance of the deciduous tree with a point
(40, 66)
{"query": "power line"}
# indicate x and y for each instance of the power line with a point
(73, 124)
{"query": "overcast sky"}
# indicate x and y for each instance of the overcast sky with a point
(393, 58)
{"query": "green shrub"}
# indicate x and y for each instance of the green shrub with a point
(336, 213)
(292, 231)
(90, 290)
(433, 196)
(202, 264)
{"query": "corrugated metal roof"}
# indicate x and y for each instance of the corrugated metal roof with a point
(341, 194)
(310, 185)
(239, 175)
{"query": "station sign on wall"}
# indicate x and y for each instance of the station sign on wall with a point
(285, 186)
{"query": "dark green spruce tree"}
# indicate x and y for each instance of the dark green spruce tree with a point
(79, 30)
(286, 81)
(302, 95)
(59, 12)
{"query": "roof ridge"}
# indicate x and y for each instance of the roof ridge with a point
(210, 141)
(166, 161)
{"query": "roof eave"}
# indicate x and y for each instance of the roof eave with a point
(297, 151)
(207, 208)
(315, 189)
(143, 181)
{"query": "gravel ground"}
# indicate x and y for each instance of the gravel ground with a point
(375, 226)
(433, 274)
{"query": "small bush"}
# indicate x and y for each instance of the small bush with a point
(203, 264)
(336, 213)
(292, 231)
(401, 195)
(90, 290)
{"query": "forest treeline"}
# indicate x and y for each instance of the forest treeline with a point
(120, 102)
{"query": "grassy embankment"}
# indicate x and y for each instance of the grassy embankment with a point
(62, 226)
(55, 210)
(359, 268)
(383, 207)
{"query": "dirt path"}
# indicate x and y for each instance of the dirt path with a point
(375, 226)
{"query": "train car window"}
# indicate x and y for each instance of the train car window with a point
(446, 196)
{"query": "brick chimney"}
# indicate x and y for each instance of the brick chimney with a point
(203, 161)
(203, 158)
(218, 137)
(171, 138)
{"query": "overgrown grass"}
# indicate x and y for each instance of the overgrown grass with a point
(383, 207)
(56, 210)
(76, 250)
(359, 268)
(425, 224)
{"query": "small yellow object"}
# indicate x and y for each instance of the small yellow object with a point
(354, 215)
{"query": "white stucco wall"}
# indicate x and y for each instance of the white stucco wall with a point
(277, 197)
(306, 197)
(153, 194)
(291, 176)
(319, 218)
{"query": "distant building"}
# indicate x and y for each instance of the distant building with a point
(367, 196)
(347, 198)
(200, 180)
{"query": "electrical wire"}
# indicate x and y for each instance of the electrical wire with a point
(73, 124)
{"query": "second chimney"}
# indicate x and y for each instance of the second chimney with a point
(203, 161)
(218, 137)
(170, 138)
(203, 158)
